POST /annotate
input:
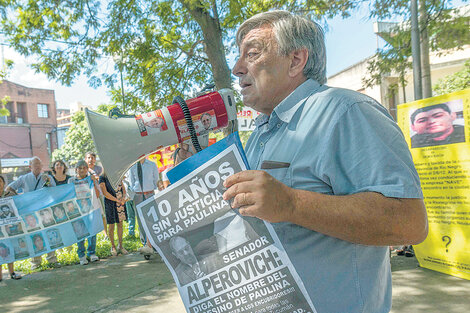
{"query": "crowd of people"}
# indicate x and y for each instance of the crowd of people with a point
(117, 205)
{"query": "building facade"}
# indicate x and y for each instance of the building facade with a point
(30, 130)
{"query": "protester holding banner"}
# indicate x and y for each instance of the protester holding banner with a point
(96, 170)
(331, 171)
(4, 250)
(34, 180)
(115, 211)
(59, 171)
(81, 171)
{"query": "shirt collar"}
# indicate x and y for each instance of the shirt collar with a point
(287, 108)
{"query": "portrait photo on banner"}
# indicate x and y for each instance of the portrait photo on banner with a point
(20, 247)
(71, 208)
(437, 124)
(8, 211)
(80, 229)
(31, 222)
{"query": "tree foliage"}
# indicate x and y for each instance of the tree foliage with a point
(3, 73)
(78, 138)
(446, 29)
(162, 48)
(454, 82)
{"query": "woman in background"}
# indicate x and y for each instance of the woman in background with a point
(59, 170)
(115, 210)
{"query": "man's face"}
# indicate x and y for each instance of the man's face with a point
(263, 74)
(47, 216)
(206, 121)
(183, 251)
(58, 212)
(31, 221)
(90, 160)
(39, 243)
(70, 207)
(82, 171)
(36, 167)
(157, 122)
(5, 210)
(436, 122)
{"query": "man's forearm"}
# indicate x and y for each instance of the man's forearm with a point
(367, 218)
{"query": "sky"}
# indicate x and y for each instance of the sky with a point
(348, 41)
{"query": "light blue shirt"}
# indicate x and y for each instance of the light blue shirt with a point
(338, 142)
(149, 179)
(29, 182)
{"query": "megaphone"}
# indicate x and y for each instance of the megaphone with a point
(120, 142)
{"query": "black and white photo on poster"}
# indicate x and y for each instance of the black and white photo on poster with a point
(221, 261)
(8, 211)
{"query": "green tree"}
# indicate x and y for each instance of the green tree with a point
(454, 82)
(162, 48)
(444, 26)
(78, 138)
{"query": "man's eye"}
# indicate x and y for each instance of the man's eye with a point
(252, 54)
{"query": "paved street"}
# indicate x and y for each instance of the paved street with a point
(131, 284)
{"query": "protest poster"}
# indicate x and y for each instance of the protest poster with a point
(49, 219)
(220, 260)
(437, 131)
(8, 212)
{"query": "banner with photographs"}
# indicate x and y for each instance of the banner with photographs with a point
(49, 219)
(220, 260)
(437, 131)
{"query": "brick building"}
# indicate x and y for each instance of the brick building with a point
(30, 130)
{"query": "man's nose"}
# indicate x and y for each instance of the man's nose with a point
(239, 68)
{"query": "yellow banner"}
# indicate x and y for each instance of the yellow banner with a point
(437, 131)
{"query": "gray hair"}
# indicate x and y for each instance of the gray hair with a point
(34, 158)
(293, 32)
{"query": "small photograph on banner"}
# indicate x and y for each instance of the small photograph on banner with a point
(8, 211)
(82, 189)
(80, 229)
(39, 245)
(5, 253)
(59, 213)
(71, 208)
(31, 222)
(54, 237)
(46, 217)
(14, 229)
(20, 247)
(85, 205)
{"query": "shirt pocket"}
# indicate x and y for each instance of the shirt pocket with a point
(282, 174)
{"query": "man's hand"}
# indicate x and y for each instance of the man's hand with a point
(260, 195)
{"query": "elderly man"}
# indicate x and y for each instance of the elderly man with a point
(434, 126)
(331, 170)
(29, 182)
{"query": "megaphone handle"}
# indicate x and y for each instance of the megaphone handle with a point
(189, 121)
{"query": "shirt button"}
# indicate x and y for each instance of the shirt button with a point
(261, 144)
(278, 125)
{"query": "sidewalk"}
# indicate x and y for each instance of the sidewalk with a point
(132, 284)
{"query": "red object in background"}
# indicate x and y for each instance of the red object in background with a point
(199, 105)
(212, 141)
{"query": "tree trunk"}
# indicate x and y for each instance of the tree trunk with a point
(213, 44)
(425, 65)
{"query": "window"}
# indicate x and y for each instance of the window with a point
(42, 110)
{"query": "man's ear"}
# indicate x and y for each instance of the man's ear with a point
(298, 60)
